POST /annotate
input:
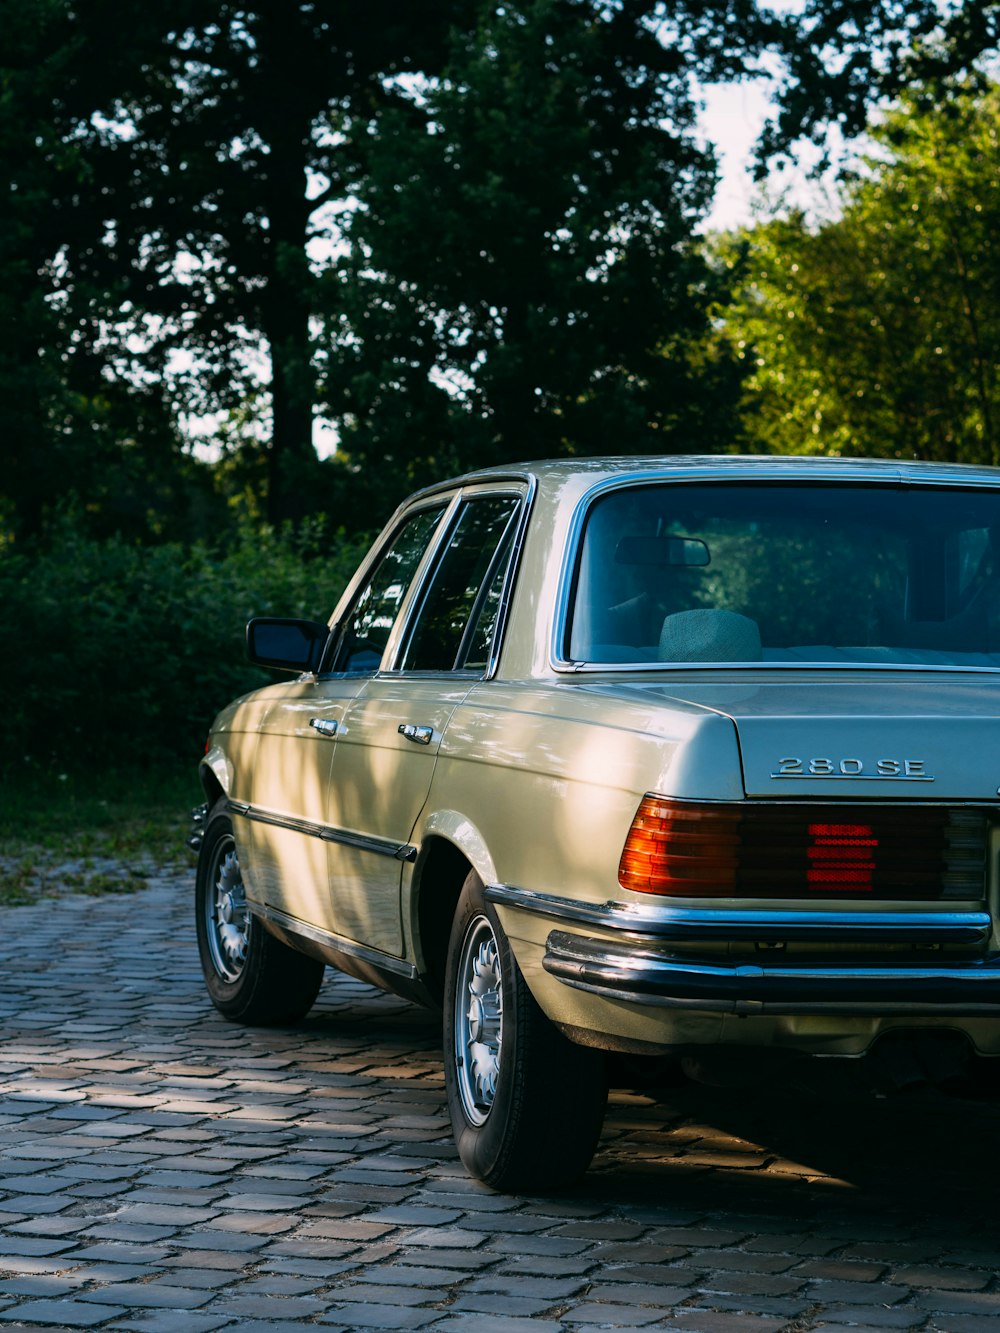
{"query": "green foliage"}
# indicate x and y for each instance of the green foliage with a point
(879, 332)
(72, 418)
(114, 654)
(93, 831)
(523, 275)
(163, 163)
(845, 57)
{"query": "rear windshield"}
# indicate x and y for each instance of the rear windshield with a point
(789, 573)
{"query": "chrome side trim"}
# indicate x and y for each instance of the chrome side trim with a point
(364, 843)
(337, 943)
(766, 925)
(621, 972)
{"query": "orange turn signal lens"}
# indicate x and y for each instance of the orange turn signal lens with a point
(679, 848)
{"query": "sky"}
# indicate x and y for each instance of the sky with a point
(732, 120)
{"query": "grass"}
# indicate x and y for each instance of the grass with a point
(95, 832)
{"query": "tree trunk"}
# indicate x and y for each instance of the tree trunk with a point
(284, 41)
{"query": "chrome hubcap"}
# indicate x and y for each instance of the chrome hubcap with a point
(228, 920)
(478, 1021)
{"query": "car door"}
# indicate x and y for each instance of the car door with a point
(393, 728)
(289, 823)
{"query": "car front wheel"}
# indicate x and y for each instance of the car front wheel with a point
(526, 1104)
(250, 976)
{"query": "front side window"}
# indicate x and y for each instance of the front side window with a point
(364, 634)
(455, 624)
(786, 573)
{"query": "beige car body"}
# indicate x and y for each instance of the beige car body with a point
(353, 846)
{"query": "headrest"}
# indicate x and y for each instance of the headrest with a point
(707, 635)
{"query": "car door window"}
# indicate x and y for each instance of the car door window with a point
(365, 631)
(455, 624)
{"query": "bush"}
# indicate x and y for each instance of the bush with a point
(112, 653)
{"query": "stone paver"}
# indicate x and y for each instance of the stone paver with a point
(162, 1170)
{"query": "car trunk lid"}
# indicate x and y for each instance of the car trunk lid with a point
(859, 788)
(860, 737)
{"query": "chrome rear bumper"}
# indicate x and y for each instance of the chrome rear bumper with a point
(623, 973)
(636, 962)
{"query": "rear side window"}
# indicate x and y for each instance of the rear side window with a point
(455, 624)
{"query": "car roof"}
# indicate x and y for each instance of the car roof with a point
(588, 472)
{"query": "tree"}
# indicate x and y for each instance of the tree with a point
(879, 331)
(206, 139)
(843, 58)
(523, 272)
(175, 172)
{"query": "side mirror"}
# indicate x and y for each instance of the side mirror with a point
(288, 645)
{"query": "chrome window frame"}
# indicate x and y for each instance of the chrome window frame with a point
(522, 488)
(783, 471)
(372, 561)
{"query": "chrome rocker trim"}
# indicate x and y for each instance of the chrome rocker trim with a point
(361, 841)
(336, 943)
(764, 926)
(620, 972)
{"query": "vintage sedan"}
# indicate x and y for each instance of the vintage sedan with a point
(684, 756)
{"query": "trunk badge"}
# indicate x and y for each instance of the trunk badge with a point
(820, 768)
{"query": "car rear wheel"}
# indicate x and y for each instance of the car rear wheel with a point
(526, 1104)
(250, 976)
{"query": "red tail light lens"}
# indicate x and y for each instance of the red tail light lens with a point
(756, 850)
(841, 858)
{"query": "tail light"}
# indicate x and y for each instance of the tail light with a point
(691, 849)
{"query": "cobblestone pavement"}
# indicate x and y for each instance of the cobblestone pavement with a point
(161, 1169)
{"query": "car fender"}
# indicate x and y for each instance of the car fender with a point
(462, 833)
(216, 773)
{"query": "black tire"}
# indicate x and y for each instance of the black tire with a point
(251, 977)
(526, 1104)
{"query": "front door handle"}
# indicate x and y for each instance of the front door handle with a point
(419, 735)
(325, 726)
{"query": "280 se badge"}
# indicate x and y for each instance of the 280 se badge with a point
(526, 772)
(913, 770)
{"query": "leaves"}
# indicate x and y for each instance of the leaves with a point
(140, 646)
(465, 231)
(878, 332)
(523, 274)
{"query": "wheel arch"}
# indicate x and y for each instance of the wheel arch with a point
(213, 774)
(451, 846)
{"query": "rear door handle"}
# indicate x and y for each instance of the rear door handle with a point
(325, 726)
(419, 735)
